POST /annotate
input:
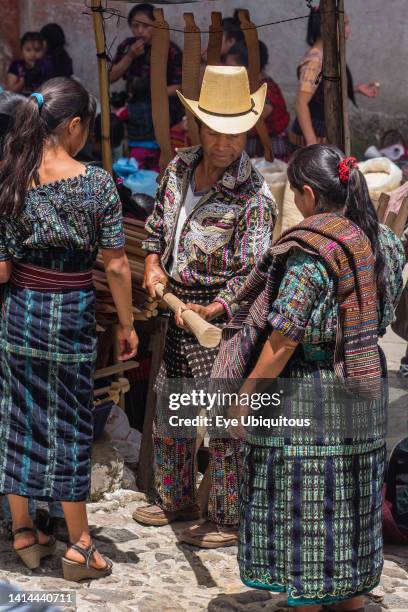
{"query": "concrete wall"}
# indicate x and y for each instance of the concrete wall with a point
(377, 49)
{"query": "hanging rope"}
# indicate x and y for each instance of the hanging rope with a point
(112, 12)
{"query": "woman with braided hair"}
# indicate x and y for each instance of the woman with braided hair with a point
(311, 312)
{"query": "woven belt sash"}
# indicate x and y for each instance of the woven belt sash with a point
(35, 278)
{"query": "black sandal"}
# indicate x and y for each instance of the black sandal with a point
(75, 571)
(32, 554)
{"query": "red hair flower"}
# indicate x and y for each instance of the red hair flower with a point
(344, 167)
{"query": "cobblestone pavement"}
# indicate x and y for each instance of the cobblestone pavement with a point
(153, 572)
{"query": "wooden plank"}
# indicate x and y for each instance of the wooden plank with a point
(254, 68)
(382, 206)
(191, 71)
(215, 40)
(401, 218)
(390, 220)
(116, 369)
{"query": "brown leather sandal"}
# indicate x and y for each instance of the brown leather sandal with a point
(32, 554)
(74, 571)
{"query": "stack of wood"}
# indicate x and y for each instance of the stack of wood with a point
(116, 382)
(144, 307)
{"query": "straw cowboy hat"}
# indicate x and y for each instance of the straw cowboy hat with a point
(226, 104)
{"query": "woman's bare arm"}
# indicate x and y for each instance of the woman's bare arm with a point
(120, 283)
(303, 115)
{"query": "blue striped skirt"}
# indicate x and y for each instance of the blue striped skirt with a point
(47, 360)
(310, 518)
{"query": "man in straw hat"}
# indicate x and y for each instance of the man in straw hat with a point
(212, 221)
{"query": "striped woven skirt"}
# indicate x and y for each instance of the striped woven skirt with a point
(310, 516)
(47, 357)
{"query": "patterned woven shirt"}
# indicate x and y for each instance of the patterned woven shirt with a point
(226, 234)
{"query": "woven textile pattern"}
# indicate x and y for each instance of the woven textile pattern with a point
(48, 339)
(175, 470)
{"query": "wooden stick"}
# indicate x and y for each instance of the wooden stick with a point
(343, 76)
(150, 313)
(151, 305)
(97, 17)
(134, 222)
(207, 335)
(116, 369)
(121, 385)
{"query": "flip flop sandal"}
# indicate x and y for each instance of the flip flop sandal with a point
(74, 571)
(31, 555)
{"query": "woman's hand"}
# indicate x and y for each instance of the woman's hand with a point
(370, 90)
(237, 431)
(136, 49)
(208, 313)
(153, 274)
(128, 342)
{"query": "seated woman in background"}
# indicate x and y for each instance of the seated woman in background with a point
(25, 74)
(275, 113)
(59, 62)
(132, 63)
(309, 126)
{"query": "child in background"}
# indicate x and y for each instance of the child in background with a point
(59, 62)
(26, 74)
(275, 113)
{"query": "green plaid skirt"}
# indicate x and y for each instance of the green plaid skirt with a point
(310, 517)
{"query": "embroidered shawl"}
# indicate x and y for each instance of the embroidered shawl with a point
(348, 255)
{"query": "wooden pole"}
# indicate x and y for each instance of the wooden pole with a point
(97, 17)
(191, 70)
(159, 93)
(344, 85)
(331, 74)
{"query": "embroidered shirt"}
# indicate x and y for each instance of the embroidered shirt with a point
(225, 235)
(191, 201)
(78, 214)
(306, 308)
